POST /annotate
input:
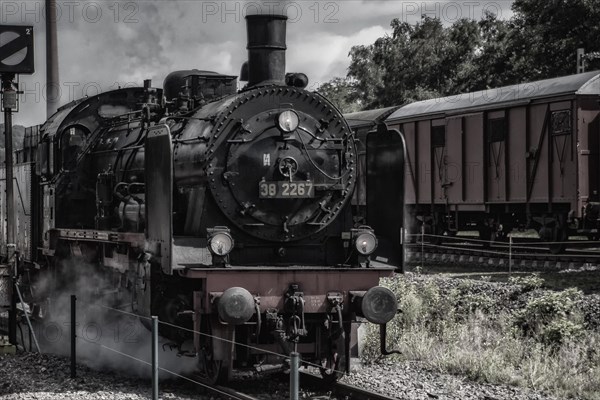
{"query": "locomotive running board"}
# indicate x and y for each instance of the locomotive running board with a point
(386, 154)
(159, 197)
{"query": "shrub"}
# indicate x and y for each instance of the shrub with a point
(527, 283)
(552, 317)
(463, 330)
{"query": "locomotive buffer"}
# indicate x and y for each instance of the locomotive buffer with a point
(16, 57)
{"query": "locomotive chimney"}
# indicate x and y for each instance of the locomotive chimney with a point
(266, 49)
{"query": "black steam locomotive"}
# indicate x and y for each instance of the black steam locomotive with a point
(223, 211)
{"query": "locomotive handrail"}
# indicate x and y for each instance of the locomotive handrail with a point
(317, 167)
(335, 139)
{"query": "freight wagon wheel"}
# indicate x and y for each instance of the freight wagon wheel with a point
(560, 236)
(556, 231)
(488, 234)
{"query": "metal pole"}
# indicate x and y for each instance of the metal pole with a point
(73, 335)
(510, 255)
(52, 84)
(9, 103)
(154, 358)
(294, 375)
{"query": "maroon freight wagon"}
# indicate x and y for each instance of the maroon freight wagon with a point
(518, 156)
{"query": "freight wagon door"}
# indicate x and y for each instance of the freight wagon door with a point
(473, 160)
(454, 181)
(496, 145)
(439, 161)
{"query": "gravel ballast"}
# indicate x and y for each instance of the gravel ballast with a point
(26, 376)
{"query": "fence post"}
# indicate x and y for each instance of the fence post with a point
(294, 376)
(510, 255)
(73, 335)
(154, 358)
(422, 245)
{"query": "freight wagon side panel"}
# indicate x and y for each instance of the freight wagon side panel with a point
(588, 133)
(563, 161)
(517, 149)
(474, 161)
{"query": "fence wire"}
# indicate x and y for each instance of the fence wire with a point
(233, 342)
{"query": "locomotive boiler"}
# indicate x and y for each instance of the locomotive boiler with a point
(220, 210)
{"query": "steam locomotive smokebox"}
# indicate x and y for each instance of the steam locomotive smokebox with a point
(266, 49)
(5, 286)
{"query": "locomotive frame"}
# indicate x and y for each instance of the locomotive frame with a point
(158, 191)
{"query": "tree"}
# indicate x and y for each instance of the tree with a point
(426, 60)
(342, 93)
(547, 33)
(414, 63)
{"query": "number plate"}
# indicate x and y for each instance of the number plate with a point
(285, 190)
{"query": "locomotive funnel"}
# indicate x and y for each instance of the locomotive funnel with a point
(266, 49)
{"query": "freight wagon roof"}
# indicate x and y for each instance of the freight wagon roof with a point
(368, 117)
(586, 83)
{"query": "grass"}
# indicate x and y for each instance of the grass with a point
(542, 344)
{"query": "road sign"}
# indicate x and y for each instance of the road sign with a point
(16, 49)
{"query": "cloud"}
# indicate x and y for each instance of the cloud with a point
(106, 44)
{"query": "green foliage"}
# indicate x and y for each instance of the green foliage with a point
(427, 59)
(462, 329)
(527, 283)
(547, 33)
(551, 317)
(342, 93)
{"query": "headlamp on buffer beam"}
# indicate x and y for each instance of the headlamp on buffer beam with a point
(220, 243)
(364, 240)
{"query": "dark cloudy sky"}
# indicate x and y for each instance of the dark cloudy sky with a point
(104, 44)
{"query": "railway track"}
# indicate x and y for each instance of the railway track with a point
(522, 252)
(339, 389)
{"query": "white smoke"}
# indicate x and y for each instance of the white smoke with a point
(107, 339)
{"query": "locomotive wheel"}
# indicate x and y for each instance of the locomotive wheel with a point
(212, 371)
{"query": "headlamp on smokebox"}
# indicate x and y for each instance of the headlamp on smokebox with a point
(220, 244)
(364, 242)
(288, 121)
